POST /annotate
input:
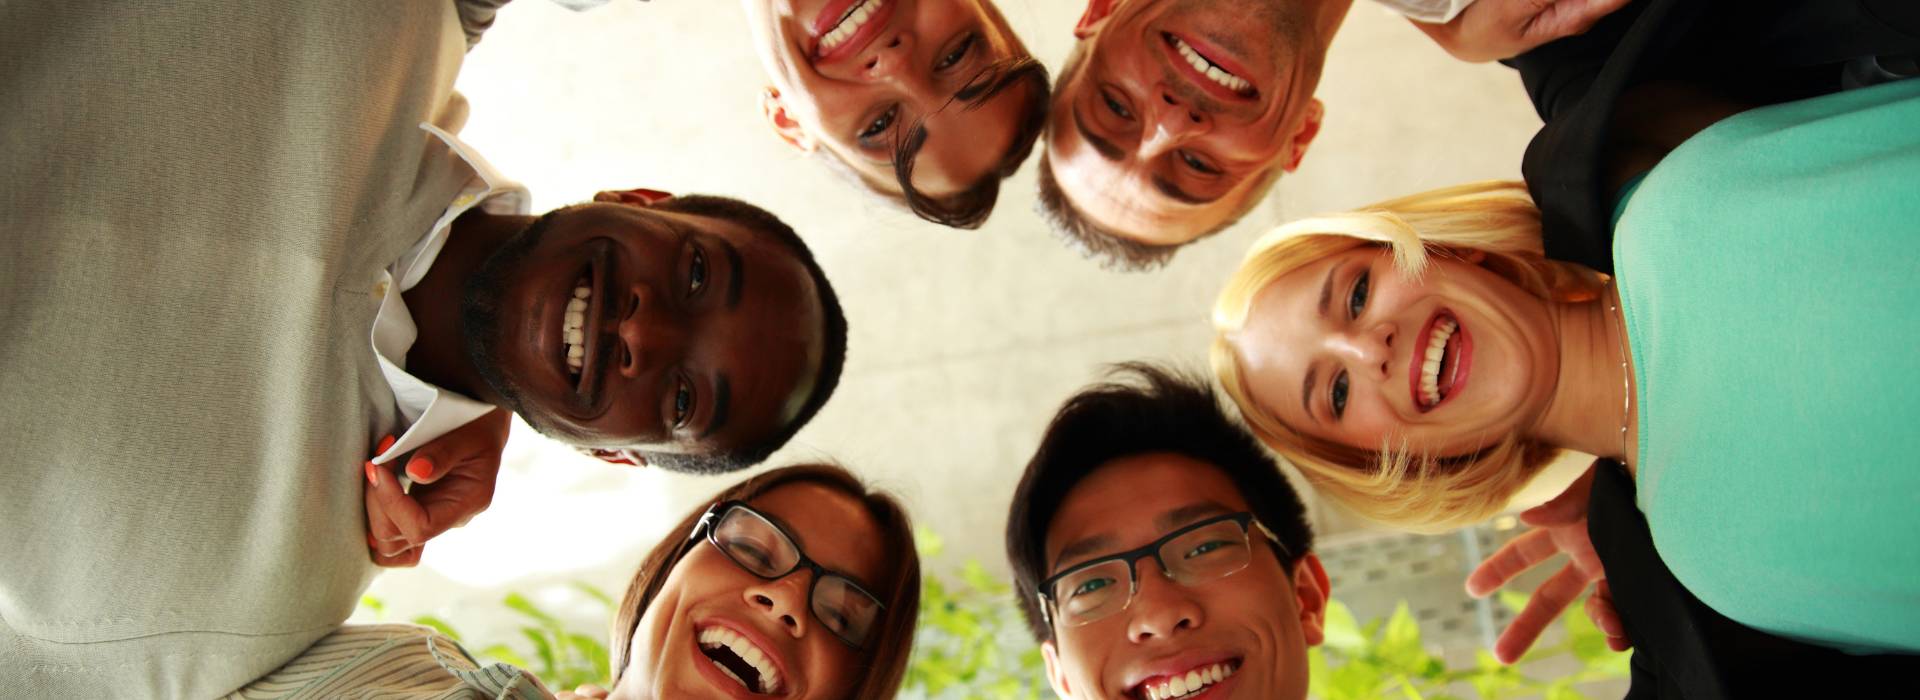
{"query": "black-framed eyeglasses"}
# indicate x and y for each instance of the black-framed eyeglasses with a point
(754, 543)
(1204, 551)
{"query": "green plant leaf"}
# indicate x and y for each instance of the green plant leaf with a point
(438, 625)
(595, 593)
(379, 607)
(1342, 633)
(542, 650)
(519, 603)
(1513, 600)
(506, 655)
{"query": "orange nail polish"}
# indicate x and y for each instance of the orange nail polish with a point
(373, 474)
(385, 443)
(420, 469)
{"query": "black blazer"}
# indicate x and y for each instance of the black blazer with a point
(1683, 649)
(1753, 52)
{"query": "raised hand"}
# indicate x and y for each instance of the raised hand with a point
(1559, 526)
(1490, 30)
(453, 479)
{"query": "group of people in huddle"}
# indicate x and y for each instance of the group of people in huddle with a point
(267, 318)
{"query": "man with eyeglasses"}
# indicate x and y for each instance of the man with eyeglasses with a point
(1158, 551)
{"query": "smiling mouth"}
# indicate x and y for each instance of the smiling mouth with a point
(1207, 68)
(1191, 683)
(740, 659)
(849, 23)
(1438, 366)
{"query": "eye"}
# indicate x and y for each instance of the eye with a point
(1089, 586)
(836, 621)
(751, 552)
(1339, 395)
(956, 55)
(697, 272)
(1357, 301)
(880, 124)
(1205, 548)
(1197, 164)
(682, 403)
(1114, 106)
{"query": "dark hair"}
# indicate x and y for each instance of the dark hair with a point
(833, 358)
(1115, 250)
(1159, 410)
(886, 653)
(969, 208)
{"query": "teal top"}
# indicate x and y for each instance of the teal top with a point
(1769, 275)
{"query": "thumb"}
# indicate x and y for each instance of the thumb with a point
(428, 464)
(1568, 507)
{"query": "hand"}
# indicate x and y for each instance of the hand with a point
(453, 478)
(1559, 525)
(585, 692)
(1490, 30)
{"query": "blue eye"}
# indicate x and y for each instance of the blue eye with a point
(1114, 106)
(879, 124)
(682, 403)
(1339, 398)
(1357, 301)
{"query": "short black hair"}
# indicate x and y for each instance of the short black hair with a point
(1141, 409)
(832, 359)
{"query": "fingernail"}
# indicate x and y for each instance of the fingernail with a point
(420, 468)
(373, 474)
(385, 443)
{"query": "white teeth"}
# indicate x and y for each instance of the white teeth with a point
(573, 328)
(714, 637)
(1192, 682)
(1207, 68)
(723, 669)
(1430, 363)
(850, 23)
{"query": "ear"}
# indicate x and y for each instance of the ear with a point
(625, 458)
(1056, 674)
(1474, 256)
(1303, 137)
(637, 197)
(1310, 589)
(784, 125)
(1090, 21)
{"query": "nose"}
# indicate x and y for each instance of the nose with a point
(648, 334)
(784, 601)
(1161, 608)
(1170, 123)
(1369, 348)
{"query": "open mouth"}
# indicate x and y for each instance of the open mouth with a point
(582, 323)
(1209, 69)
(1191, 684)
(739, 659)
(850, 21)
(1440, 363)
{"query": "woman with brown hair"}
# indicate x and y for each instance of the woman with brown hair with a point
(799, 584)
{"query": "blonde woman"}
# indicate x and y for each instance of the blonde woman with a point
(1752, 364)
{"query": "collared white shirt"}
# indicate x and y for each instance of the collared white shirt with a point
(431, 411)
(1428, 11)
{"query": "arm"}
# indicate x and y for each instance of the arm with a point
(1490, 30)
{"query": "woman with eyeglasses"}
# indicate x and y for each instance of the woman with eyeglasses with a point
(1752, 362)
(799, 583)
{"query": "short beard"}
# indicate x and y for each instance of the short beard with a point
(480, 313)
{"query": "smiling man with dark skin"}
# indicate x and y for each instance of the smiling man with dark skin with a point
(703, 344)
(1158, 552)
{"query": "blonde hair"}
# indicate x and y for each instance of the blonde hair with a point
(1395, 486)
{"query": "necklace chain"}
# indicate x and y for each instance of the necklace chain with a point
(1626, 388)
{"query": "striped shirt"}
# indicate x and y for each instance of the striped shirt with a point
(391, 661)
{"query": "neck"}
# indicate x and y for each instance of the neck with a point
(439, 354)
(1586, 410)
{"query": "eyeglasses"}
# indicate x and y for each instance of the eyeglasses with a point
(1208, 550)
(765, 550)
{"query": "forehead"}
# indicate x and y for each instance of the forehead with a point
(771, 346)
(1275, 345)
(833, 527)
(1123, 500)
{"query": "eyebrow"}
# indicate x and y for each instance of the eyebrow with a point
(1169, 520)
(722, 401)
(734, 270)
(1169, 189)
(1105, 148)
(1081, 549)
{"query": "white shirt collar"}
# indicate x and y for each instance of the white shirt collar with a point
(430, 411)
